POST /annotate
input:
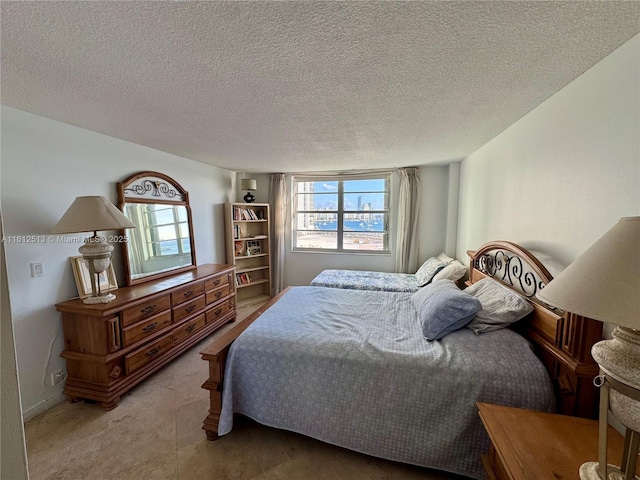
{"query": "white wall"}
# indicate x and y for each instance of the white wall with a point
(45, 165)
(434, 210)
(453, 203)
(560, 177)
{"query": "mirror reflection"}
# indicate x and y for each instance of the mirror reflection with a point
(162, 244)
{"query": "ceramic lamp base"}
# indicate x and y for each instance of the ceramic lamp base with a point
(99, 299)
(249, 198)
(590, 471)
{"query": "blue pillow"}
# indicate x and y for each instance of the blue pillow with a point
(443, 308)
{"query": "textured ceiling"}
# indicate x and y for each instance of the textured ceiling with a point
(301, 86)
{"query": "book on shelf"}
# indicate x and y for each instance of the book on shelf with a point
(243, 278)
(240, 213)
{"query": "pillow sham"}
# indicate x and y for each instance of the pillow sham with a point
(454, 271)
(428, 269)
(501, 306)
(443, 308)
(443, 257)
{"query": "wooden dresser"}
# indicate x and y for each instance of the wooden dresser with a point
(109, 348)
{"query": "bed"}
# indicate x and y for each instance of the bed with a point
(352, 368)
(367, 280)
(433, 269)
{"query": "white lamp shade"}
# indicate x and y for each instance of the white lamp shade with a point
(90, 214)
(604, 282)
(248, 184)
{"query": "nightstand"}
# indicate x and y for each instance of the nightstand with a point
(528, 445)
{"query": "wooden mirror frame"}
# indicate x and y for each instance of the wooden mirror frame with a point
(154, 188)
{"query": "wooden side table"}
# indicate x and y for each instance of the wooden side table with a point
(528, 445)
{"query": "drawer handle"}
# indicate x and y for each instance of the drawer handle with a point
(217, 282)
(151, 327)
(190, 308)
(188, 293)
(218, 295)
(148, 310)
(153, 351)
(190, 328)
(218, 311)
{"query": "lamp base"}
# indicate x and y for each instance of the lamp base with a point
(109, 297)
(590, 471)
(620, 359)
(620, 356)
(249, 198)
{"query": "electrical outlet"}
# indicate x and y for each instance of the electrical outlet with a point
(57, 377)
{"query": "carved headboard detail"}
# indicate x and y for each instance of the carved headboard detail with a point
(562, 340)
(513, 266)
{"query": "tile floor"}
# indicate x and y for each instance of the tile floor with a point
(155, 434)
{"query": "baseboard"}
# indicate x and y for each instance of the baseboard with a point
(43, 406)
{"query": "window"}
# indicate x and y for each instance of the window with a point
(168, 230)
(341, 213)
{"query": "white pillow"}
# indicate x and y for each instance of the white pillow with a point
(428, 269)
(443, 257)
(454, 271)
(501, 306)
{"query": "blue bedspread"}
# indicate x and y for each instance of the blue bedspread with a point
(351, 368)
(366, 280)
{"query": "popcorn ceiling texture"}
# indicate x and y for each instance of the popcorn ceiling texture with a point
(302, 86)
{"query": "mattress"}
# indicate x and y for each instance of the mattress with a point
(366, 280)
(351, 368)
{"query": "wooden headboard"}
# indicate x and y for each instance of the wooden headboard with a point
(562, 340)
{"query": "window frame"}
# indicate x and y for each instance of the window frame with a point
(340, 212)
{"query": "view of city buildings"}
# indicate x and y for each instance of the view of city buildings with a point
(361, 223)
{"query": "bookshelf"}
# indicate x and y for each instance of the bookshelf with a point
(247, 247)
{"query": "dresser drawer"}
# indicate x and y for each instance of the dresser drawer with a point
(141, 330)
(216, 282)
(187, 293)
(138, 359)
(218, 294)
(188, 329)
(219, 311)
(189, 308)
(145, 310)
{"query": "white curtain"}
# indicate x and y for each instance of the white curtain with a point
(279, 206)
(407, 242)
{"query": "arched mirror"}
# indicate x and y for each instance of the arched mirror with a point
(162, 244)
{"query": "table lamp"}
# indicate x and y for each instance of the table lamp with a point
(88, 214)
(604, 284)
(250, 185)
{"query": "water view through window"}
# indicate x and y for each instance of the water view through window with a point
(342, 215)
